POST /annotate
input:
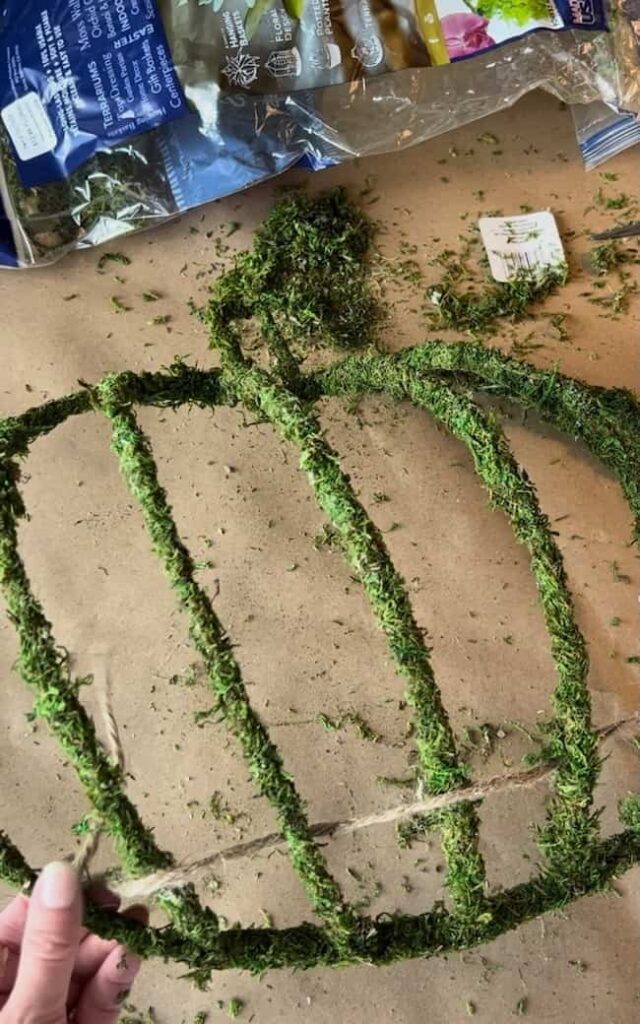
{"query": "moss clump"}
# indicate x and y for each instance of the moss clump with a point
(306, 279)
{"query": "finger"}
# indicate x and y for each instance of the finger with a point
(12, 921)
(91, 955)
(102, 999)
(93, 950)
(49, 946)
(9, 959)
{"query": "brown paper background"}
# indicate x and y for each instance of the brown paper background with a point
(305, 637)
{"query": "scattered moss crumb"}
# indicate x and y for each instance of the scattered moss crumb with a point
(113, 257)
(354, 718)
(606, 256)
(619, 577)
(221, 811)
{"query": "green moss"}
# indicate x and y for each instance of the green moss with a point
(568, 839)
(273, 286)
(480, 311)
(14, 869)
(606, 256)
(45, 669)
(212, 642)
(305, 280)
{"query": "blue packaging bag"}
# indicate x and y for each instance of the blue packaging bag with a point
(119, 114)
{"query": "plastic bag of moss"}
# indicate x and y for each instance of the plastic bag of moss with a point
(118, 114)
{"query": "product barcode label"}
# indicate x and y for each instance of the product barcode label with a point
(522, 244)
(29, 126)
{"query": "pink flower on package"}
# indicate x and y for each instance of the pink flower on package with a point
(465, 34)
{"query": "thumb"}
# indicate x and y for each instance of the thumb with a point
(49, 946)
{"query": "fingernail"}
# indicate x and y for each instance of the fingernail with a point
(58, 887)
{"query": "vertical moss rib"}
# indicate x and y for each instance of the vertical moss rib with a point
(570, 835)
(263, 758)
(366, 553)
(43, 668)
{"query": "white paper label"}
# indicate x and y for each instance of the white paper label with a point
(29, 126)
(527, 242)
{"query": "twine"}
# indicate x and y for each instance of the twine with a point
(87, 850)
(137, 889)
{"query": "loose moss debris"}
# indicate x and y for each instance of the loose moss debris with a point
(126, 183)
(113, 257)
(221, 810)
(618, 575)
(306, 283)
(132, 1015)
(479, 311)
(361, 726)
(606, 257)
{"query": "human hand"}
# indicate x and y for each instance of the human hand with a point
(52, 970)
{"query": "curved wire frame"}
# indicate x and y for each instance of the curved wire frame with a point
(438, 378)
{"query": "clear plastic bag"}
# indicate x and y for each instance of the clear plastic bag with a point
(625, 29)
(235, 91)
(603, 132)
